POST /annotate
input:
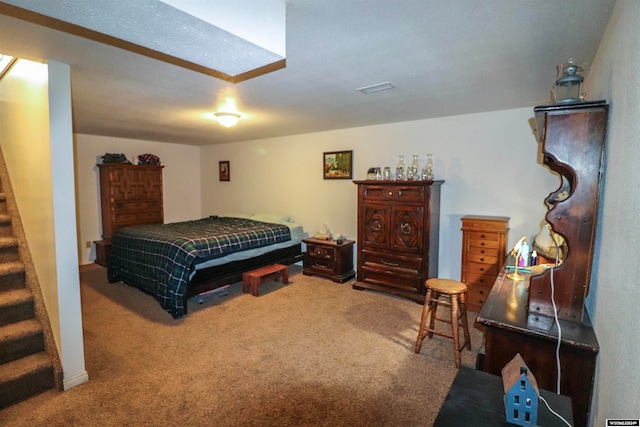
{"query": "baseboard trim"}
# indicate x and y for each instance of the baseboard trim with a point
(76, 380)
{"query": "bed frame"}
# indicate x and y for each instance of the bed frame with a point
(225, 274)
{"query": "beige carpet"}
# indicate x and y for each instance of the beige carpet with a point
(310, 353)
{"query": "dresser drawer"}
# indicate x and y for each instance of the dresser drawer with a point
(135, 206)
(480, 279)
(137, 218)
(476, 296)
(386, 262)
(394, 193)
(477, 224)
(484, 240)
(401, 282)
(483, 257)
(150, 217)
(482, 268)
(484, 251)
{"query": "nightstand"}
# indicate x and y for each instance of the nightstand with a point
(328, 259)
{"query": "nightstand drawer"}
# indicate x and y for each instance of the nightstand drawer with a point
(317, 252)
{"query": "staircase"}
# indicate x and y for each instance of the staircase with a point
(26, 368)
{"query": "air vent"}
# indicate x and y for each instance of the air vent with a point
(376, 88)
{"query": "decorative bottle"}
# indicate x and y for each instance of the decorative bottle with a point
(400, 176)
(413, 170)
(427, 173)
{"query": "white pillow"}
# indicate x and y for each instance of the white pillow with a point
(271, 217)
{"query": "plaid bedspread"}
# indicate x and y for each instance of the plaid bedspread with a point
(158, 258)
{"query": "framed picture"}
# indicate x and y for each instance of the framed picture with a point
(225, 170)
(338, 165)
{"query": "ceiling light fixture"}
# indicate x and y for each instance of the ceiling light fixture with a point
(227, 119)
(376, 88)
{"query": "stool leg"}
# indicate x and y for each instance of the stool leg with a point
(423, 321)
(435, 296)
(454, 329)
(465, 323)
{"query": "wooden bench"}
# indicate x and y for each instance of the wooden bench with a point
(251, 280)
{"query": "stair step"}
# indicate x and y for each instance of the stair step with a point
(16, 305)
(20, 339)
(24, 378)
(6, 230)
(12, 276)
(8, 249)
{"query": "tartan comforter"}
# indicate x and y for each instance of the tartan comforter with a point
(158, 258)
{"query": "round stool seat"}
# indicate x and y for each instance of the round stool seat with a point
(447, 286)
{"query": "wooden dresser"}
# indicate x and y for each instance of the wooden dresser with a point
(129, 195)
(398, 236)
(484, 242)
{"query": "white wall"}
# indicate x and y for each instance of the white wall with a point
(180, 176)
(489, 162)
(615, 288)
(36, 138)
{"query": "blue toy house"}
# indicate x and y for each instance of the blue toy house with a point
(521, 393)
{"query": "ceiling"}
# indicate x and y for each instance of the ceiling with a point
(443, 57)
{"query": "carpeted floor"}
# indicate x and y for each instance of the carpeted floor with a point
(310, 353)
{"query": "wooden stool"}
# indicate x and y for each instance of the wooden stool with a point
(456, 292)
(252, 279)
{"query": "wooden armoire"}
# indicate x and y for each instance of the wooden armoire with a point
(398, 236)
(129, 195)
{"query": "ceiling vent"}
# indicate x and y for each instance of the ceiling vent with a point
(376, 88)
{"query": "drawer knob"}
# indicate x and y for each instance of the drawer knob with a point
(482, 259)
(483, 236)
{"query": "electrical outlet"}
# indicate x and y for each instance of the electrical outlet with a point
(88, 244)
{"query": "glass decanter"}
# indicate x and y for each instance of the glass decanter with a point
(413, 170)
(427, 172)
(400, 176)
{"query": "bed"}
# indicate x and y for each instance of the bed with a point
(175, 261)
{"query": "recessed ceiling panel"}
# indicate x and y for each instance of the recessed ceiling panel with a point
(153, 25)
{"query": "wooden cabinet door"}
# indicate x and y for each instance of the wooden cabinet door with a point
(375, 226)
(407, 229)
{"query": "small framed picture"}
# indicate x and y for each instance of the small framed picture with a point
(225, 170)
(338, 165)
